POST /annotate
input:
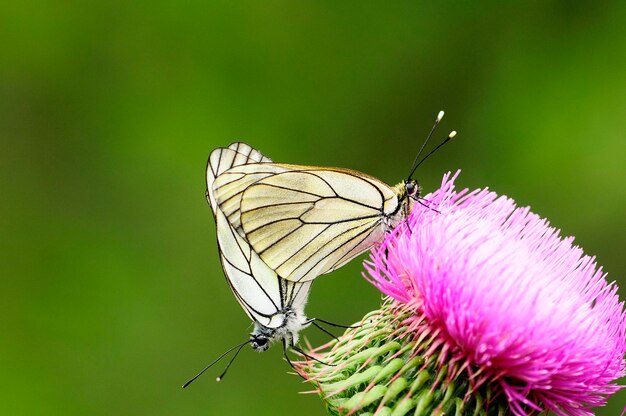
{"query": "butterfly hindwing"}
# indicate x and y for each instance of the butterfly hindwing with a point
(257, 287)
(223, 159)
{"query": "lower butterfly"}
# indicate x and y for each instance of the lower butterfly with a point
(279, 226)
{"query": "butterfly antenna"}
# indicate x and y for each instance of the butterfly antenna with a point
(446, 140)
(221, 376)
(215, 361)
(430, 133)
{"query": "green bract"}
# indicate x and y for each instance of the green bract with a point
(385, 367)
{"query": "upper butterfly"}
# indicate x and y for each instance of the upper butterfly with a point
(279, 226)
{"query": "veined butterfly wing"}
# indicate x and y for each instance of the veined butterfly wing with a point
(223, 159)
(339, 218)
(304, 221)
(279, 226)
(261, 293)
(229, 187)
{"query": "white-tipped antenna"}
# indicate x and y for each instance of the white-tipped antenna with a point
(221, 376)
(430, 133)
(240, 346)
(447, 139)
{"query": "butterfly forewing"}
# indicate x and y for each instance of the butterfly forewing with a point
(307, 221)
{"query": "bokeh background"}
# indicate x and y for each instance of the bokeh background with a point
(111, 291)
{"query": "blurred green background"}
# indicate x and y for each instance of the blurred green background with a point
(112, 293)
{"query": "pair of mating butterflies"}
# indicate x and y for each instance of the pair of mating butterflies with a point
(279, 226)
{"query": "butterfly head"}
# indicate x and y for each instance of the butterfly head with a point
(412, 189)
(407, 192)
(259, 342)
(261, 338)
(293, 321)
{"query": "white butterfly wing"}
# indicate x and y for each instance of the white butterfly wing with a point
(255, 286)
(305, 221)
(230, 185)
(223, 159)
(261, 293)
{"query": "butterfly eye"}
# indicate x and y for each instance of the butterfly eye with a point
(411, 188)
(259, 341)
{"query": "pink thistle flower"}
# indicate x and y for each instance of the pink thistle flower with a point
(508, 301)
(488, 311)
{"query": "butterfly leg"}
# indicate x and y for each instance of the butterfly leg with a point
(299, 351)
(324, 330)
(419, 201)
(332, 323)
(287, 355)
(408, 224)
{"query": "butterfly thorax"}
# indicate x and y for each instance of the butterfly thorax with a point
(263, 337)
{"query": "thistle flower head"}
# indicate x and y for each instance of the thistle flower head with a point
(487, 292)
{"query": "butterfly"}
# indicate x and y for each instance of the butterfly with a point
(274, 304)
(279, 226)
